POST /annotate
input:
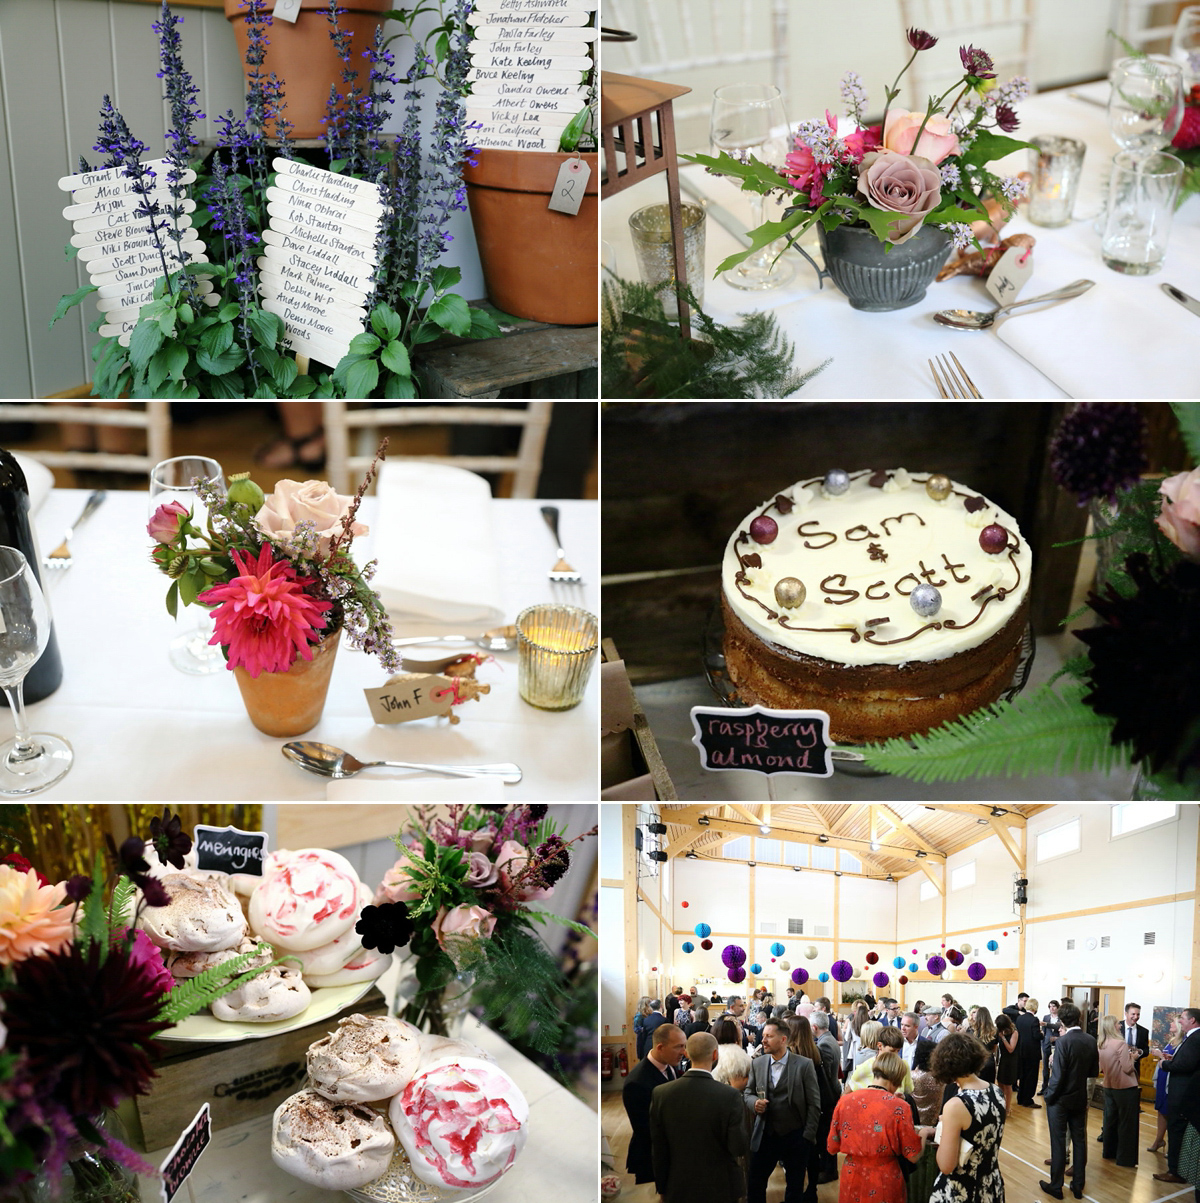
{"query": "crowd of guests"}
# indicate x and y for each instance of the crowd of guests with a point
(754, 1084)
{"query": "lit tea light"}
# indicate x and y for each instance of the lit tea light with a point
(556, 647)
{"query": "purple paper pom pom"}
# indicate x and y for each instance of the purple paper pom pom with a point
(976, 971)
(954, 956)
(737, 974)
(880, 979)
(936, 965)
(799, 976)
(842, 971)
(732, 956)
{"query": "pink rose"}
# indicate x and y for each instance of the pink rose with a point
(312, 501)
(164, 526)
(480, 871)
(462, 923)
(937, 140)
(482, 839)
(397, 885)
(511, 861)
(900, 184)
(1180, 516)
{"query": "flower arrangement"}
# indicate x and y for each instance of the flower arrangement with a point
(1131, 697)
(83, 993)
(183, 344)
(911, 169)
(458, 899)
(277, 570)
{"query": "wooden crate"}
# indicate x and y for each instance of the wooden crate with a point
(239, 1081)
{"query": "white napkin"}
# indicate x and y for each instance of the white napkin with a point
(38, 477)
(416, 789)
(433, 537)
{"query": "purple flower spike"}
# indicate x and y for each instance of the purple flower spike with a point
(918, 39)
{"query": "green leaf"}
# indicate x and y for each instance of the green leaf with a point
(441, 48)
(218, 338)
(186, 314)
(363, 344)
(191, 585)
(443, 279)
(361, 378)
(483, 325)
(158, 369)
(451, 313)
(71, 251)
(218, 365)
(225, 386)
(767, 233)
(70, 301)
(1187, 413)
(989, 145)
(167, 321)
(426, 332)
(284, 373)
(386, 321)
(228, 312)
(395, 358)
(196, 993)
(302, 386)
(122, 899)
(755, 176)
(146, 338)
(399, 388)
(266, 327)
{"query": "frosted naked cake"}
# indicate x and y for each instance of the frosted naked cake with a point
(893, 601)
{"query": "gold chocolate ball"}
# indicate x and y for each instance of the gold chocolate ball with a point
(790, 593)
(938, 487)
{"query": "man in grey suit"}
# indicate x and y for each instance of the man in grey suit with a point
(783, 1093)
(1076, 1059)
(698, 1133)
(831, 1056)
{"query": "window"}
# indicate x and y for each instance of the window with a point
(738, 849)
(795, 854)
(963, 876)
(822, 857)
(768, 850)
(1058, 841)
(1133, 816)
(928, 891)
(849, 862)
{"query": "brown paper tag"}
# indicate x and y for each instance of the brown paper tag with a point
(409, 696)
(570, 186)
(1011, 273)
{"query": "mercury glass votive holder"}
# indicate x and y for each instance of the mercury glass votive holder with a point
(1057, 164)
(556, 648)
(651, 230)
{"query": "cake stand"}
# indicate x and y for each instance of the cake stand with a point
(400, 1185)
(847, 758)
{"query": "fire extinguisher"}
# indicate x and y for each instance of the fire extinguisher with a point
(606, 1065)
(623, 1061)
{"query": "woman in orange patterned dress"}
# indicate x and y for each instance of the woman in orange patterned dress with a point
(874, 1129)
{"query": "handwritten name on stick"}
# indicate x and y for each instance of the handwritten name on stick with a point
(758, 740)
(181, 1160)
(230, 850)
(321, 233)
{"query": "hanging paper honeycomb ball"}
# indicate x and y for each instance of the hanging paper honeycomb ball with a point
(913, 967)
(993, 946)
(954, 957)
(799, 976)
(936, 965)
(914, 952)
(976, 971)
(732, 956)
(943, 943)
(702, 930)
(706, 945)
(965, 949)
(1006, 933)
(822, 976)
(737, 974)
(810, 953)
(842, 971)
(881, 979)
(902, 979)
(688, 946)
(683, 904)
(772, 960)
(785, 965)
(898, 962)
(756, 969)
(872, 957)
(777, 949)
(653, 968)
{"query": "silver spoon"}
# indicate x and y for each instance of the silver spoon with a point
(499, 639)
(975, 319)
(329, 761)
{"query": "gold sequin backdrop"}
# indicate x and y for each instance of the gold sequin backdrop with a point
(63, 840)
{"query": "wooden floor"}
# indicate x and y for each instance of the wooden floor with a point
(1025, 1147)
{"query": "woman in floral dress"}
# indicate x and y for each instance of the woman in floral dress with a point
(976, 1114)
(874, 1129)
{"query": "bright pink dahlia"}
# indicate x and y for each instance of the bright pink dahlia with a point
(266, 620)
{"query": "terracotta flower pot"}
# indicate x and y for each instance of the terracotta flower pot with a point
(290, 703)
(537, 263)
(304, 57)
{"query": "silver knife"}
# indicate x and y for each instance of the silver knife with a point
(1177, 294)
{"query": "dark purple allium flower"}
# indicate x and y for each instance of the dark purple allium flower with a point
(554, 859)
(1098, 449)
(1006, 118)
(918, 39)
(977, 63)
(385, 927)
(79, 887)
(171, 842)
(1143, 664)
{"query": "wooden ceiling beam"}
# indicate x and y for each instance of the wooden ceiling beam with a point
(927, 869)
(915, 835)
(1011, 817)
(683, 841)
(1005, 837)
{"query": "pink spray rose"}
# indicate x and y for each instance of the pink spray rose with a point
(310, 501)
(1180, 516)
(480, 871)
(904, 184)
(462, 923)
(937, 140)
(164, 526)
(397, 885)
(511, 861)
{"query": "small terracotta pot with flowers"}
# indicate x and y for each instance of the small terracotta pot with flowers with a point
(277, 572)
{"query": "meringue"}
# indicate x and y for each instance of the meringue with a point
(305, 899)
(202, 916)
(366, 1060)
(337, 1146)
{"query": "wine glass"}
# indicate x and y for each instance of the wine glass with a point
(1145, 107)
(748, 119)
(174, 480)
(1185, 44)
(29, 763)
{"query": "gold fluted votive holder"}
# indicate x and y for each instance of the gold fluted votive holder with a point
(556, 648)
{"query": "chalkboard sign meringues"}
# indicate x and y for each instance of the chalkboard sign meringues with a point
(230, 850)
(759, 740)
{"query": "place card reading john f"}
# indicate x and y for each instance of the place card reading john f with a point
(758, 740)
(319, 256)
(409, 696)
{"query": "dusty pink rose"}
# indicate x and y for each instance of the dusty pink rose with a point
(937, 140)
(164, 526)
(462, 923)
(1180, 516)
(294, 502)
(480, 871)
(511, 861)
(397, 885)
(904, 184)
(482, 840)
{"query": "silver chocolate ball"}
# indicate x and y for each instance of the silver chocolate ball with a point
(837, 481)
(925, 600)
(790, 592)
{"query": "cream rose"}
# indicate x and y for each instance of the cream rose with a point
(462, 923)
(309, 501)
(904, 184)
(938, 142)
(1180, 516)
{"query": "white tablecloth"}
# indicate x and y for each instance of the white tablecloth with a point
(142, 730)
(1124, 338)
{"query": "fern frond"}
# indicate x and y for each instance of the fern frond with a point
(122, 900)
(521, 988)
(550, 917)
(1043, 733)
(201, 991)
(1073, 666)
(1188, 415)
(93, 920)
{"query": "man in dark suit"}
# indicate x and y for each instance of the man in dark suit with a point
(1051, 1026)
(783, 1093)
(652, 1021)
(698, 1133)
(831, 1058)
(1076, 1059)
(1133, 1033)
(1029, 1053)
(910, 1026)
(658, 1067)
(1179, 1069)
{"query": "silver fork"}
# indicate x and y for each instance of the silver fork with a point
(60, 557)
(958, 383)
(562, 572)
